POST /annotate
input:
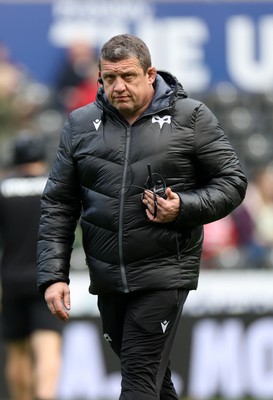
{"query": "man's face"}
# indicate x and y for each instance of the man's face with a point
(127, 87)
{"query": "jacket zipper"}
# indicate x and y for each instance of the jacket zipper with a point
(121, 211)
(122, 199)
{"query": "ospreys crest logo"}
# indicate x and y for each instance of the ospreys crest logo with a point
(166, 119)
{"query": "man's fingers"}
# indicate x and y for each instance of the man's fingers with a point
(51, 307)
(66, 300)
(57, 297)
(56, 308)
(167, 209)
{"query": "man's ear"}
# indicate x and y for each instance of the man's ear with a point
(151, 74)
(100, 81)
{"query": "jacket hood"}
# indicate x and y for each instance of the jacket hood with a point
(171, 81)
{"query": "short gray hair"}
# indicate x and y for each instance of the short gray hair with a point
(122, 47)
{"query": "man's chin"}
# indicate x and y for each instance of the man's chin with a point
(124, 109)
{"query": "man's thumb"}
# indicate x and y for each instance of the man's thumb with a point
(170, 194)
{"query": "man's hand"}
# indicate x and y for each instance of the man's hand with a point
(167, 209)
(57, 297)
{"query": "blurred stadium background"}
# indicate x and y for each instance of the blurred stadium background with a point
(221, 51)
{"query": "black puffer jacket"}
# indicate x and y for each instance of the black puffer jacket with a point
(100, 173)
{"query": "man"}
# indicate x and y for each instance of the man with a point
(32, 335)
(143, 249)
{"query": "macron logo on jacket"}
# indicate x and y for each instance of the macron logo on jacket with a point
(97, 123)
(164, 325)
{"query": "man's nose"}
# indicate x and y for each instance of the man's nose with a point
(119, 84)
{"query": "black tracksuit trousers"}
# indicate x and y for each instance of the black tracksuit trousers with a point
(141, 328)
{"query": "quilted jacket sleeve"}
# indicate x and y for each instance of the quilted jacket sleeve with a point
(61, 206)
(222, 184)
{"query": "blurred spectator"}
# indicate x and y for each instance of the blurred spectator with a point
(31, 333)
(220, 244)
(20, 95)
(10, 78)
(259, 204)
(10, 73)
(77, 82)
(244, 239)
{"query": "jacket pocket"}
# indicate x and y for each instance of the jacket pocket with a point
(192, 240)
(175, 241)
(182, 241)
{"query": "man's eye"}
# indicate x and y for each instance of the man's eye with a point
(128, 77)
(108, 79)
